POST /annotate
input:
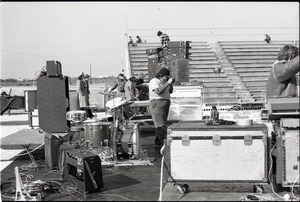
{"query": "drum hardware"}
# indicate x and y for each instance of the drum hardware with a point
(76, 117)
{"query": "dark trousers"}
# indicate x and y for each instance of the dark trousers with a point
(88, 111)
(160, 135)
(159, 110)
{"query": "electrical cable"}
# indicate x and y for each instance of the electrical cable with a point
(292, 190)
(257, 197)
(271, 182)
(68, 190)
(115, 195)
(2, 195)
(27, 152)
(161, 176)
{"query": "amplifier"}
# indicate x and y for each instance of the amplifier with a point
(53, 104)
(179, 69)
(152, 70)
(287, 152)
(283, 106)
(177, 44)
(153, 51)
(86, 168)
(53, 68)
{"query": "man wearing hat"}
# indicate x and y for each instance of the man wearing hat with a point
(87, 85)
(160, 89)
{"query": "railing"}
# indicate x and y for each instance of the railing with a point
(218, 33)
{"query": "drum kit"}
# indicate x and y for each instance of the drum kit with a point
(98, 137)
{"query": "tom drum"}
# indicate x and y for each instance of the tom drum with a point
(96, 133)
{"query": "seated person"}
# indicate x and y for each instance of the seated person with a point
(282, 81)
(214, 114)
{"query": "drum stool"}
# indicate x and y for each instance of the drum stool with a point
(77, 129)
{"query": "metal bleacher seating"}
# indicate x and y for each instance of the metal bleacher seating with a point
(253, 61)
(202, 63)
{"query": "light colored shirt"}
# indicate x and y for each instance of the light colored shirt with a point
(156, 83)
(130, 91)
(214, 115)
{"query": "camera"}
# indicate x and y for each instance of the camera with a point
(173, 80)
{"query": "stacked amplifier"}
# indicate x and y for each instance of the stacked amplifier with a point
(284, 112)
(53, 104)
(175, 57)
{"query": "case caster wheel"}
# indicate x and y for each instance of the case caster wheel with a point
(182, 188)
(296, 191)
(259, 189)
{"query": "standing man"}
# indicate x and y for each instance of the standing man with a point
(160, 89)
(82, 91)
(164, 39)
(88, 110)
(131, 93)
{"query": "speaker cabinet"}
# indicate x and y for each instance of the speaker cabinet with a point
(180, 70)
(53, 68)
(53, 104)
(86, 168)
(153, 68)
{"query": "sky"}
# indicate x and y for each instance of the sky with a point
(86, 36)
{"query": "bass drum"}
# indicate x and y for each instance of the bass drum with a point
(96, 133)
(136, 141)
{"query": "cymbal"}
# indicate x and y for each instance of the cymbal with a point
(107, 93)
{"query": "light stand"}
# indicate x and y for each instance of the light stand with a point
(217, 70)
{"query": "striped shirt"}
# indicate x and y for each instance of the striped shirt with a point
(164, 38)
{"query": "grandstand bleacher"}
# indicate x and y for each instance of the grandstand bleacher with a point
(245, 68)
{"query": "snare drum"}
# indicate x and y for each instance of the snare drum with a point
(76, 116)
(96, 133)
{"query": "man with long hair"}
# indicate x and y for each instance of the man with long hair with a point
(282, 81)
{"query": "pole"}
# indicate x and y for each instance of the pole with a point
(91, 72)
(218, 88)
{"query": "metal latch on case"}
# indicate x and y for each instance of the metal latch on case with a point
(216, 140)
(185, 141)
(248, 140)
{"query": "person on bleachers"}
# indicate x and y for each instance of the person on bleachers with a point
(268, 38)
(138, 39)
(282, 81)
(130, 43)
(164, 39)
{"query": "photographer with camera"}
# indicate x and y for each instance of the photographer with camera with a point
(160, 89)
